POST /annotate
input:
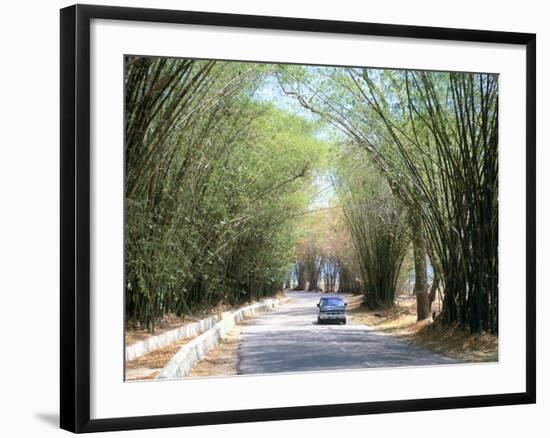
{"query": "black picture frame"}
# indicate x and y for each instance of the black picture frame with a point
(75, 217)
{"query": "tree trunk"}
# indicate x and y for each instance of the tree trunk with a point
(433, 289)
(300, 276)
(420, 270)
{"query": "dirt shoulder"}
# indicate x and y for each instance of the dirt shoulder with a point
(222, 360)
(400, 321)
(149, 365)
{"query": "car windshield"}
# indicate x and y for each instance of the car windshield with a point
(331, 302)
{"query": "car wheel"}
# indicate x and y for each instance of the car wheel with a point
(319, 321)
(344, 322)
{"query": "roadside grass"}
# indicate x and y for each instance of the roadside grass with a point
(452, 341)
(456, 342)
(132, 335)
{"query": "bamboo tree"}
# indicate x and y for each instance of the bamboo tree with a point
(434, 136)
(210, 177)
(378, 228)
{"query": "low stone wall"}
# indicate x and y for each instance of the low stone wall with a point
(189, 354)
(163, 340)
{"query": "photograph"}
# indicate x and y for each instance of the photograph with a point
(268, 220)
(300, 218)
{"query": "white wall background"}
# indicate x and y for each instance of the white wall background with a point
(29, 206)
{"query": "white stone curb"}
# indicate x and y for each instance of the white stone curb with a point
(192, 352)
(155, 342)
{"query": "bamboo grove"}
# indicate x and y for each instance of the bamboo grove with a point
(210, 175)
(378, 229)
(223, 161)
(359, 246)
(434, 137)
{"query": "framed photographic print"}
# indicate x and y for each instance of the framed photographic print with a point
(268, 218)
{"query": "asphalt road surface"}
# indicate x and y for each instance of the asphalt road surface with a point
(289, 339)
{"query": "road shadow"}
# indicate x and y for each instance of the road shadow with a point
(299, 350)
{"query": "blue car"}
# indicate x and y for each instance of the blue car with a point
(331, 309)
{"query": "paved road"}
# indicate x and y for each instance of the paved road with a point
(289, 339)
